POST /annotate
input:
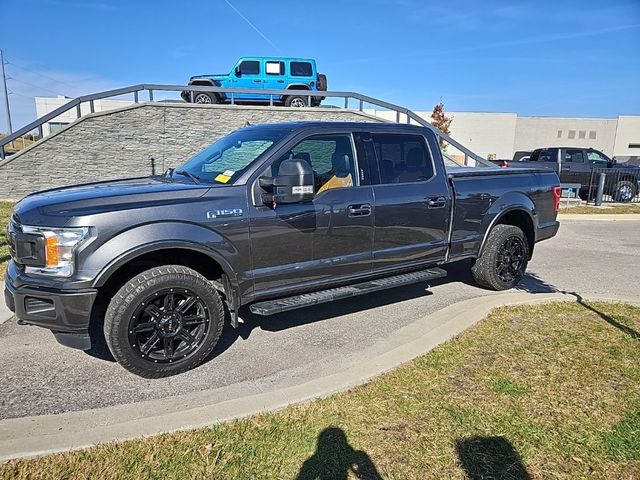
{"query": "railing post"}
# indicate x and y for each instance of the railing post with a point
(1, 152)
(191, 95)
(40, 134)
(308, 100)
(360, 106)
(346, 102)
(270, 100)
(601, 178)
(232, 98)
(397, 116)
(91, 107)
(151, 95)
(78, 112)
(135, 97)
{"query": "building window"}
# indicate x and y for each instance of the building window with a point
(572, 134)
(57, 126)
(634, 145)
(559, 133)
(582, 134)
(592, 135)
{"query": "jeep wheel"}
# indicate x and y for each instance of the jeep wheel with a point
(503, 260)
(624, 191)
(295, 101)
(205, 98)
(164, 321)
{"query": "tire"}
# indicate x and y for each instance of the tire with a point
(205, 98)
(172, 304)
(491, 269)
(297, 101)
(624, 191)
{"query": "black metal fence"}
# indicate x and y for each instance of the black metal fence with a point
(619, 185)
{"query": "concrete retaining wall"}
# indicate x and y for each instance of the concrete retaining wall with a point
(136, 141)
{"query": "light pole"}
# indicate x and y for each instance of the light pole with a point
(6, 95)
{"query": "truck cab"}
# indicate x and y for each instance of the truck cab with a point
(262, 73)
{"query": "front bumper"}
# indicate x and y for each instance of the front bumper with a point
(65, 313)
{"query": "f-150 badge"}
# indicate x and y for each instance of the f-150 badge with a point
(231, 212)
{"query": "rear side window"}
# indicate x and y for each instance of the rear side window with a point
(250, 67)
(573, 156)
(274, 68)
(403, 158)
(301, 69)
(547, 155)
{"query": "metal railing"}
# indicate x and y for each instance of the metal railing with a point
(620, 185)
(401, 113)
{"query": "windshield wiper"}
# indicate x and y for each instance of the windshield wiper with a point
(185, 173)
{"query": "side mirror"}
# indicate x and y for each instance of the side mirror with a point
(237, 71)
(293, 184)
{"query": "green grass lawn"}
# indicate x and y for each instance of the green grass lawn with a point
(5, 213)
(587, 209)
(546, 391)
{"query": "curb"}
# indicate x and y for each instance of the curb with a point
(609, 217)
(41, 435)
(5, 313)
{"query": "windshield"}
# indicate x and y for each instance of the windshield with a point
(225, 160)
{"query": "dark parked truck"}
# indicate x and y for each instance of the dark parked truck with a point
(581, 166)
(275, 217)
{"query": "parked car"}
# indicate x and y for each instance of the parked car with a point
(575, 165)
(263, 73)
(273, 217)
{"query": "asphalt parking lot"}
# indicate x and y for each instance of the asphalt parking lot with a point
(38, 376)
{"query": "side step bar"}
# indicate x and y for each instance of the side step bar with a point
(271, 307)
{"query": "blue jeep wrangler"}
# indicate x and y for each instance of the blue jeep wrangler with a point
(260, 73)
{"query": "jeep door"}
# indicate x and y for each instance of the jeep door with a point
(248, 74)
(308, 245)
(412, 201)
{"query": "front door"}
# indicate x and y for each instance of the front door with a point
(305, 245)
(248, 74)
(574, 167)
(412, 203)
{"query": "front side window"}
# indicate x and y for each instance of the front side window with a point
(250, 67)
(547, 155)
(403, 158)
(301, 69)
(229, 157)
(596, 157)
(573, 156)
(331, 158)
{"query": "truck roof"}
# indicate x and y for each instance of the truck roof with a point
(279, 59)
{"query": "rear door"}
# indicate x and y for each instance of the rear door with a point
(412, 201)
(274, 76)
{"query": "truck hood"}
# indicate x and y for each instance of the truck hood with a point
(212, 76)
(58, 207)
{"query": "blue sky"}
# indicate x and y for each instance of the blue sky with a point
(552, 58)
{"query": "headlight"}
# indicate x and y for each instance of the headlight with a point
(60, 245)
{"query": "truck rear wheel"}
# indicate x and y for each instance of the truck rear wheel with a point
(503, 260)
(164, 321)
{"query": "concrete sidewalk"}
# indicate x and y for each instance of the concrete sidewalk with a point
(5, 313)
(609, 217)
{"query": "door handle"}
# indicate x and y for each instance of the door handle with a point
(257, 81)
(436, 202)
(363, 210)
(280, 81)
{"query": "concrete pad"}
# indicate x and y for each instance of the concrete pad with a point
(606, 217)
(40, 435)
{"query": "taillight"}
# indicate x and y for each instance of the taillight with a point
(557, 192)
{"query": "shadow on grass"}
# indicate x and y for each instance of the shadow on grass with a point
(490, 457)
(611, 321)
(335, 459)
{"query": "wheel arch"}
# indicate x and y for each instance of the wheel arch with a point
(207, 82)
(520, 214)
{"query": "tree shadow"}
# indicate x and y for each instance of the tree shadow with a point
(611, 321)
(335, 459)
(490, 458)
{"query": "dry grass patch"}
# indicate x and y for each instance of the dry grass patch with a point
(5, 213)
(547, 391)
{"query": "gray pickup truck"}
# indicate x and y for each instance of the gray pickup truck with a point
(275, 217)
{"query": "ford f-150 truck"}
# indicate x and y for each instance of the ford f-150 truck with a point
(275, 217)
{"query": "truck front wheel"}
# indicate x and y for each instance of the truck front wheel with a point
(164, 321)
(503, 260)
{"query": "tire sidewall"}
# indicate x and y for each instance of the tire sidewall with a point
(617, 196)
(124, 304)
(485, 268)
(211, 96)
(289, 100)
